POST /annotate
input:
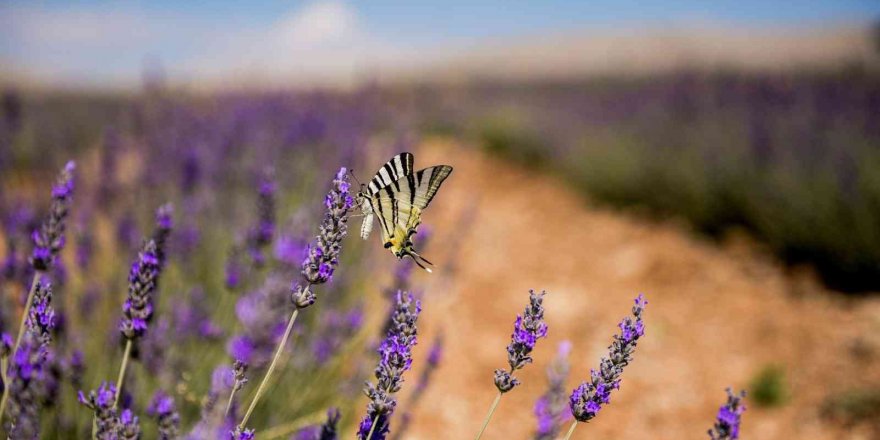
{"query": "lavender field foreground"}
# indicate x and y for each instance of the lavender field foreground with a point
(204, 287)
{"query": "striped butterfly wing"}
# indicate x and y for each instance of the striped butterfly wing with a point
(399, 205)
(395, 169)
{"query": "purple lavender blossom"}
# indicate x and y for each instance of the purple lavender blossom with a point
(325, 431)
(101, 402)
(728, 419)
(167, 418)
(527, 329)
(28, 367)
(241, 434)
(260, 236)
(551, 408)
(587, 399)
(49, 239)
(395, 358)
(164, 224)
(323, 257)
(138, 308)
(129, 427)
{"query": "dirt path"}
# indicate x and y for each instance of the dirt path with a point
(716, 316)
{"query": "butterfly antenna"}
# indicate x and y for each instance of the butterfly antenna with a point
(419, 259)
(351, 173)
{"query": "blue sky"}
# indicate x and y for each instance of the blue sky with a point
(109, 41)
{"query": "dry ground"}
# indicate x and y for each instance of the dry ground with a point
(716, 315)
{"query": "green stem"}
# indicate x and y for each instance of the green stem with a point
(27, 309)
(571, 429)
(271, 369)
(489, 416)
(229, 402)
(122, 369)
(373, 423)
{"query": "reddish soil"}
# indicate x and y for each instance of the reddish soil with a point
(716, 316)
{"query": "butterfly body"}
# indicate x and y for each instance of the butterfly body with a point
(396, 196)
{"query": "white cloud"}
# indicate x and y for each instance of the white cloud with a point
(324, 39)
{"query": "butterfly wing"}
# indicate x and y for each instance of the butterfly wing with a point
(395, 169)
(399, 205)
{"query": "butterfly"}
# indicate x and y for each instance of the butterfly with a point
(397, 196)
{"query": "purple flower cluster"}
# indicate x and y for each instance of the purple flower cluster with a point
(262, 315)
(395, 358)
(28, 368)
(325, 431)
(527, 329)
(260, 236)
(323, 257)
(551, 409)
(138, 308)
(128, 426)
(100, 401)
(167, 418)
(164, 224)
(49, 239)
(587, 399)
(728, 418)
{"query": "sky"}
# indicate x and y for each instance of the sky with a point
(101, 42)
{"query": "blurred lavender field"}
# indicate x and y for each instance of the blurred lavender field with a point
(788, 157)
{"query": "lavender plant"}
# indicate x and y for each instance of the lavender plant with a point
(24, 381)
(395, 358)
(551, 409)
(587, 399)
(48, 242)
(728, 419)
(164, 410)
(527, 329)
(317, 268)
(138, 307)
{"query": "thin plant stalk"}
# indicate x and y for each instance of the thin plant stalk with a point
(27, 309)
(271, 369)
(373, 423)
(489, 416)
(122, 369)
(229, 402)
(571, 429)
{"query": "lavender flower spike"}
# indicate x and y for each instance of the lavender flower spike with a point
(317, 268)
(395, 358)
(261, 235)
(527, 329)
(164, 224)
(101, 403)
(728, 419)
(28, 367)
(49, 239)
(551, 409)
(163, 409)
(587, 399)
(323, 256)
(138, 308)
(129, 427)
